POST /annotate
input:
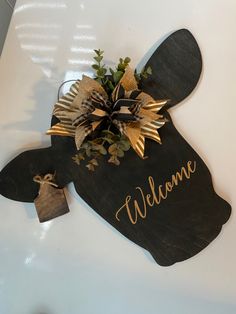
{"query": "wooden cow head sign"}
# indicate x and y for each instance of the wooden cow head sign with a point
(165, 203)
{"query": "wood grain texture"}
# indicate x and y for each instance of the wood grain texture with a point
(179, 226)
(176, 68)
(50, 203)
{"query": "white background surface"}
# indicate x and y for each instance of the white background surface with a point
(78, 263)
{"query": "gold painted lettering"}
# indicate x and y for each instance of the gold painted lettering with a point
(154, 197)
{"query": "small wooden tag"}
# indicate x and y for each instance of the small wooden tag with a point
(50, 203)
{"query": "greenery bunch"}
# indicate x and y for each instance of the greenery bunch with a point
(108, 143)
(109, 81)
(114, 145)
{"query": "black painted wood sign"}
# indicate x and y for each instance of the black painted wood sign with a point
(165, 203)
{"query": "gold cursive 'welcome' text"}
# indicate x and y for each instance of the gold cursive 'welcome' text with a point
(156, 195)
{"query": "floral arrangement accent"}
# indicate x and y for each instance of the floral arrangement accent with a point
(108, 114)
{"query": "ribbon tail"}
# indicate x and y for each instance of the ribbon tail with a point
(133, 133)
(137, 140)
(140, 146)
(81, 133)
(155, 106)
(150, 130)
(62, 129)
(95, 124)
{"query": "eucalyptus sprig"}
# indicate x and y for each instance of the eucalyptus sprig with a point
(109, 143)
(119, 70)
(145, 72)
(108, 81)
(99, 67)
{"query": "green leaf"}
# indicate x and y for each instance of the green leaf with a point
(76, 159)
(124, 145)
(98, 58)
(117, 76)
(98, 52)
(85, 145)
(93, 162)
(90, 167)
(105, 81)
(120, 153)
(116, 138)
(99, 80)
(114, 160)
(108, 140)
(121, 67)
(102, 150)
(95, 146)
(106, 132)
(104, 71)
(81, 156)
(111, 71)
(110, 85)
(127, 60)
(95, 66)
(149, 70)
(101, 72)
(88, 152)
(113, 149)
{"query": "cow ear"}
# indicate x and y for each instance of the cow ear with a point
(16, 178)
(176, 67)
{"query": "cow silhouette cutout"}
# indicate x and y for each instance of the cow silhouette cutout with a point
(165, 203)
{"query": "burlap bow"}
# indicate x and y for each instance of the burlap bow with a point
(87, 104)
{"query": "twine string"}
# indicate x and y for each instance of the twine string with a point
(59, 89)
(47, 179)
